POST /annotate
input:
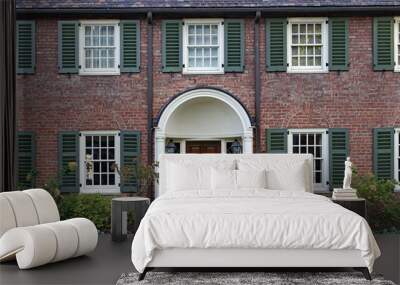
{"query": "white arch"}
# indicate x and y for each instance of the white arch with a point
(247, 133)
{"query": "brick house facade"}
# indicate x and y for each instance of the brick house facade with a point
(360, 99)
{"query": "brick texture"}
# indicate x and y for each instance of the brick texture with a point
(359, 99)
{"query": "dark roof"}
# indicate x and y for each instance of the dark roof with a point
(105, 4)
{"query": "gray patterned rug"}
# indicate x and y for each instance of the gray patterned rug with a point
(244, 278)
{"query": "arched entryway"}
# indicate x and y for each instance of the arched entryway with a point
(203, 117)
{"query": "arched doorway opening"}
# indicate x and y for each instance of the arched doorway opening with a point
(203, 121)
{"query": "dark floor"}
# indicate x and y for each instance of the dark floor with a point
(106, 264)
(103, 266)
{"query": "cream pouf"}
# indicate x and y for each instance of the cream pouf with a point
(31, 230)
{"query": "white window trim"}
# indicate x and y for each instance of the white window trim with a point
(323, 186)
(396, 158)
(91, 189)
(325, 41)
(186, 69)
(396, 44)
(104, 71)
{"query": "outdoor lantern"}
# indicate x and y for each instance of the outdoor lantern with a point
(170, 147)
(236, 147)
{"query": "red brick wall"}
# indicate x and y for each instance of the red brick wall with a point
(359, 99)
(50, 102)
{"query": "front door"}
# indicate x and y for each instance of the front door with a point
(203, 146)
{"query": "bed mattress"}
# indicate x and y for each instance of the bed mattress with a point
(250, 219)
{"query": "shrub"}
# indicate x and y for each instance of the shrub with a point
(383, 205)
(94, 207)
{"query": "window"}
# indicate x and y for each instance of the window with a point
(203, 46)
(99, 47)
(397, 44)
(397, 156)
(307, 45)
(315, 142)
(99, 156)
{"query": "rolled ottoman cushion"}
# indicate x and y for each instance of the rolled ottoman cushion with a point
(45, 205)
(66, 238)
(52, 242)
(33, 246)
(23, 208)
(87, 235)
(7, 218)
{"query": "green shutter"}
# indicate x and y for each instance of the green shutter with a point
(338, 152)
(130, 46)
(234, 45)
(172, 46)
(276, 140)
(276, 44)
(338, 44)
(68, 39)
(130, 156)
(383, 43)
(26, 152)
(383, 152)
(25, 47)
(68, 161)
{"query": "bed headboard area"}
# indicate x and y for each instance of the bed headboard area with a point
(293, 168)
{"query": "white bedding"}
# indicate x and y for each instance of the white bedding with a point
(252, 218)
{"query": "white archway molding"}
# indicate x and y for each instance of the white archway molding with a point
(238, 109)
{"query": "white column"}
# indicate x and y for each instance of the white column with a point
(159, 144)
(248, 142)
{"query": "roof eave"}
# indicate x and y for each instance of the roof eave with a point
(238, 10)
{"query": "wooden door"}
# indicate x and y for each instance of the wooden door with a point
(203, 146)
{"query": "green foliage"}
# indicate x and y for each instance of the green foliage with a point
(145, 174)
(383, 205)
(94, 207)
(53, 187)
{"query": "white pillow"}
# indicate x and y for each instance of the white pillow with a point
(290, 178)
(182, 177)
(223, 179)
(251, 178)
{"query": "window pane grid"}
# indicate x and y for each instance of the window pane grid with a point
(310, 143)
(203, 45)
(100, 150)
(306, 46)
(99, 48)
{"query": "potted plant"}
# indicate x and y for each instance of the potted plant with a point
(383, 215)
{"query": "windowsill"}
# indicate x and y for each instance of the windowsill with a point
(202, 72)
(99, 73)
(306, 71)
(102, 192)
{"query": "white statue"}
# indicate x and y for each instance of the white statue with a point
(348, 172)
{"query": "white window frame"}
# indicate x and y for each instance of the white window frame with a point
(91, 189)
(325, 41)
(99, 71)
(185, 53)
(396, 157)
(323, 186)
(396, 31)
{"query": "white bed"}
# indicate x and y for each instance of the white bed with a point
(218, 224)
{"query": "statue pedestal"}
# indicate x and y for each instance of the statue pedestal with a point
(342, 194)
